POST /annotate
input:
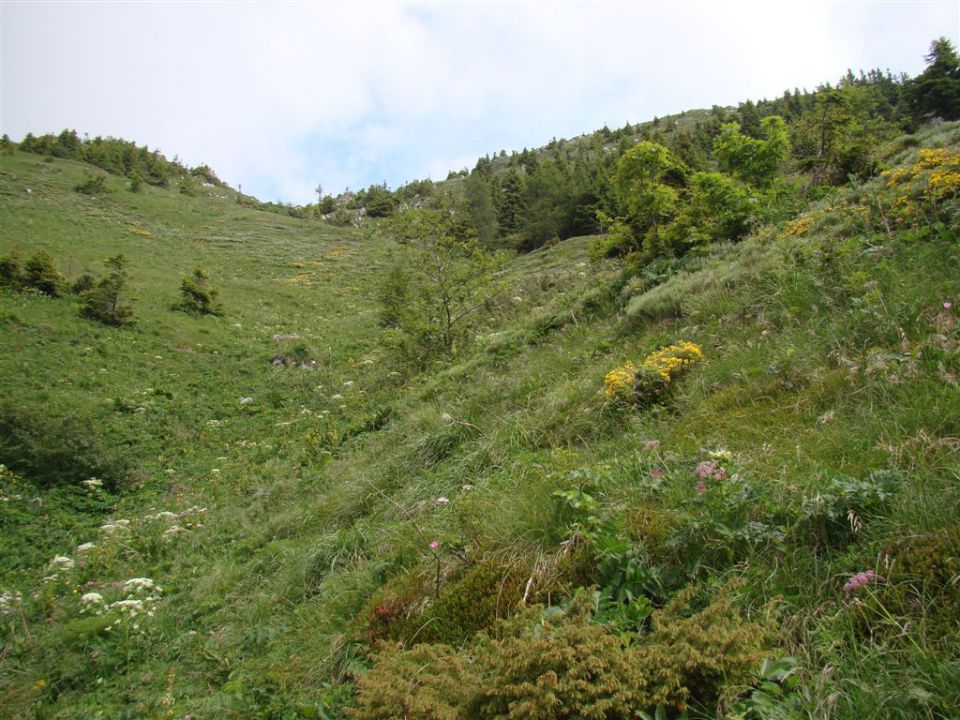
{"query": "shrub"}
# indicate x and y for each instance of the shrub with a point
(197, 296)
(557, 663)
(83, 283)
(103, 302)
(92, 185)
(41, 274)
(11, 270)
(649, 383)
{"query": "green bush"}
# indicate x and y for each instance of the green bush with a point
(52, 448)
(41, 274)
(196, 295)
(11, 269)
(92, 185)
(104, 302)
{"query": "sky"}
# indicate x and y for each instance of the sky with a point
(282, 97)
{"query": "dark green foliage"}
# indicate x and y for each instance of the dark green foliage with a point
(480, 209)
(115, 156)
(52, 448)
(378, 201)
(83, 283)
(205, 174)
(197, 296)
(11, 269)
(41, 274)
(936, 92)
(136, 183)
(394, 295)
(187, 186)
(327, 205)
(92, 185)
(510, 207)
(105, 302)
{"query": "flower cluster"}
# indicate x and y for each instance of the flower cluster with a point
(934, 177)
(10, 601)
(670, 361)
(860, 579)
(92, 603)
(648, 383)
(618, 383)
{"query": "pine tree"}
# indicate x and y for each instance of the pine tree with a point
(936, 92)
(103, 302)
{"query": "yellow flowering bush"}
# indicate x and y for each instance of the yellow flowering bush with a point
(650, 382)
(931, 180)
(618, 383)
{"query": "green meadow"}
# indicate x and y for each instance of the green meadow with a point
(272, 513)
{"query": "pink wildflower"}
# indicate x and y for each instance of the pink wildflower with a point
(434, 545)
(656, 473)
(701, 487)
(651, 445)
(861, 579)
(442, 501)
(710, 469)
(947, 305)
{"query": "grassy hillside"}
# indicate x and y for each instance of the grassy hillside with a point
(776, 537)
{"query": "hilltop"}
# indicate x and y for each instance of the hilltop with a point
(675, 468)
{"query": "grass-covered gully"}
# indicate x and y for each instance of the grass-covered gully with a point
(705, 463)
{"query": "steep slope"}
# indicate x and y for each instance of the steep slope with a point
(793, 497)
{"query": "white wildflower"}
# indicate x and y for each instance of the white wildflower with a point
(336, 397)
(85, 547)
(93, 483)
(442, 501)
(9, 602)
(62, 562)
(140, 584)
(92, 602)
(446, 417)
(172, 532)
(246, 400)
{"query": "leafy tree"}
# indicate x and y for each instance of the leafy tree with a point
(41, 274)
(936, 92)
(197, 296)
(649, 179)
(103, 302)
(447, 279)
(717, 208)
(754, 161)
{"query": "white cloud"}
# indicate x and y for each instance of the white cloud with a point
(279, 97)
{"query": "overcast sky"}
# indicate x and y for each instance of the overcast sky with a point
(283, 97)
